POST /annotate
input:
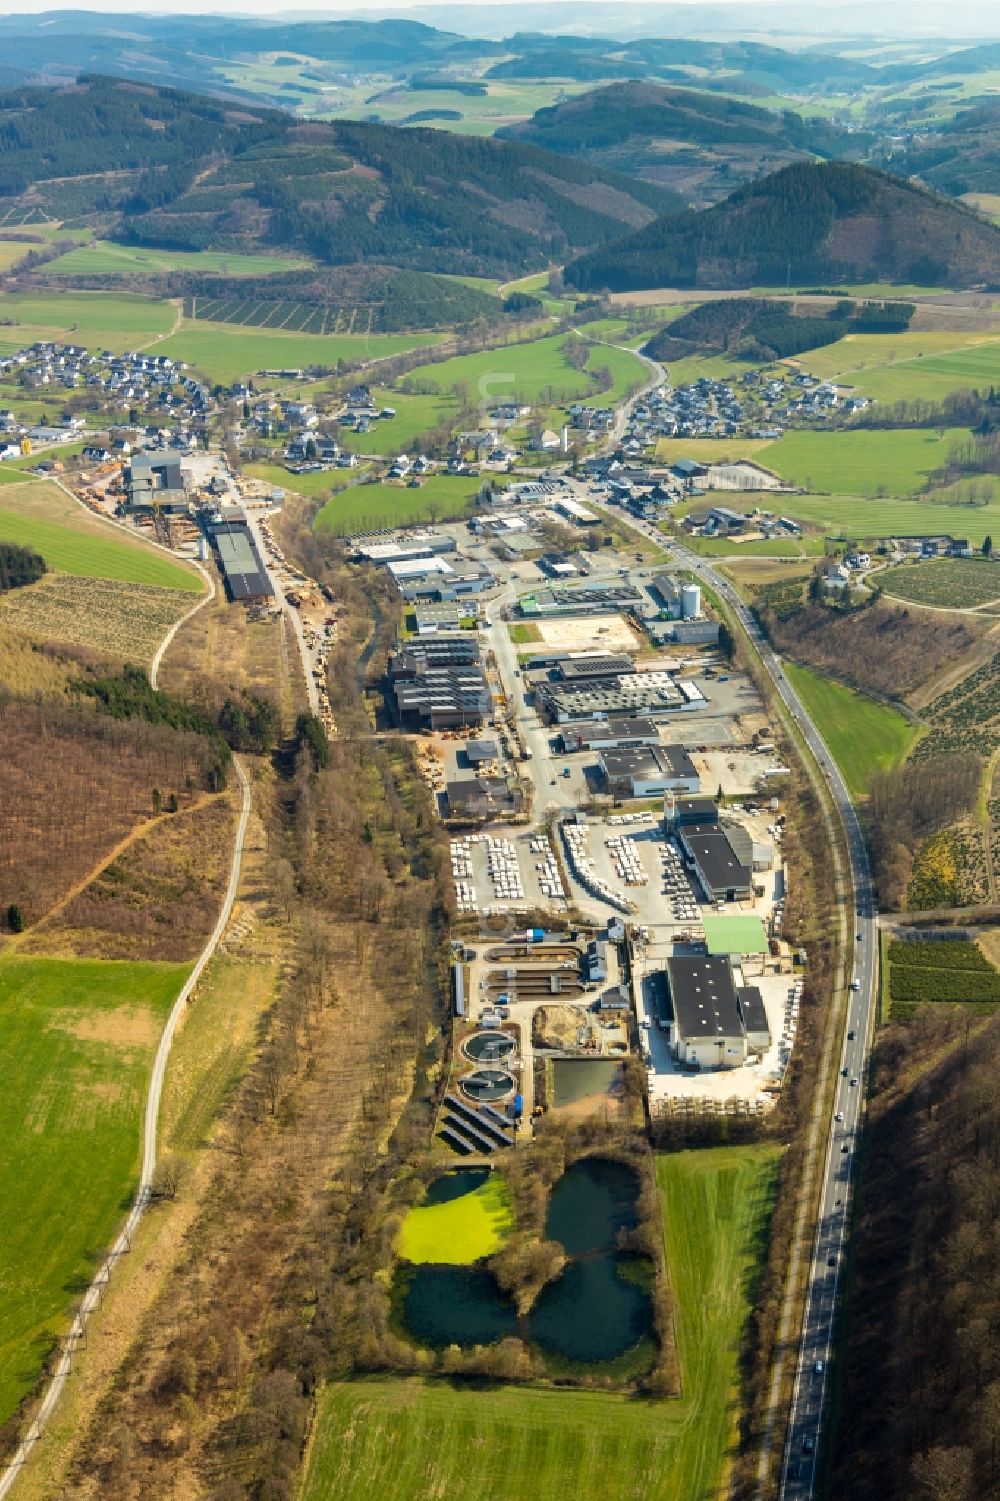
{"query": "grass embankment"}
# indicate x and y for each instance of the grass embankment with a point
(405, 1439)
(72, 541)
(460, 1230)
(863, 736)
(79, 1038)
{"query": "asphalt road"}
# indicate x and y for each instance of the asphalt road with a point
(800, 1474)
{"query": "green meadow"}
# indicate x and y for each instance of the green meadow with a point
(365, 507)
(227, 351)
(88, 549)
(79, 1039)
(104, 258)
(861, 518)
(860, 461)
(100, 320)
(530, 372)
(404, 1439)
(863, 735)
(909, 366)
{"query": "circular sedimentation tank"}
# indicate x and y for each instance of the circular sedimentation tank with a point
(488, 1085)
(488, 1047)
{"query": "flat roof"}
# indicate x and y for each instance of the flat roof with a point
(246, 576)
(703, 996)
(715, 857)
(752, 1009)
(734, 935)
(402, 568)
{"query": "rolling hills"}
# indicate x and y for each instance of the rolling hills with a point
(160, 167)
(698, 143)
(809, 224)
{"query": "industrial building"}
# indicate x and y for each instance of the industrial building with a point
(154, 482)
(650, 694)
(710, 1023)
(483, 797)
(590, 665)
(591, 600)
(243, 571)
(438, 683)
(610, 734)
(649, 770)
(724, 874)
(431, 616)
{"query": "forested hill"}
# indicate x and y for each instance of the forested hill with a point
(699, 143)
(170, 168)
(811, 225)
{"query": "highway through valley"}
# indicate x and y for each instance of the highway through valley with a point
(800, 1473)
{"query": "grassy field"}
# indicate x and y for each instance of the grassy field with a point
(406, 1439)
(709, 450)
(860, 462)
(71, 540)
(79, 1038)
(104, 258)
(864, 736)
(100, 320)
(860, 517)
(226, 351)
(461, 1230)
(12, 251)
(955, 583)
(370, 506)
(532, 372)
(414, 415)
(910, 366)
(774, 547)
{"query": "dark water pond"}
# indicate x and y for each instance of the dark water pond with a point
(592, 1201)
(590, 1314)
(456, 1185)
(456, 1305)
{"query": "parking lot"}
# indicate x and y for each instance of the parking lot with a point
(506, 872)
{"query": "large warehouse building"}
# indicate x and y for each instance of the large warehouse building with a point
(243, 571)
(709, 1021)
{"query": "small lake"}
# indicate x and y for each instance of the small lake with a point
(591, 1313)
(456, 1305)
(592, 1201)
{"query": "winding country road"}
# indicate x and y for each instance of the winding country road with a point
(142, 1199)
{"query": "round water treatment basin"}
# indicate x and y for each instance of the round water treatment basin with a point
(487, 1085)
(488, 1047)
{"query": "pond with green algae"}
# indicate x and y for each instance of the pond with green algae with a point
(596, 1311)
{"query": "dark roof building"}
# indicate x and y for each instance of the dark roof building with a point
(754, 1016)
(611, 733)
(648, 770)
(706, 1028)
(243, 571)
(709, 853)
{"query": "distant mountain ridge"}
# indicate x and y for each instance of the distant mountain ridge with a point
(816, 224)
(698, 143)
(162, 167)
